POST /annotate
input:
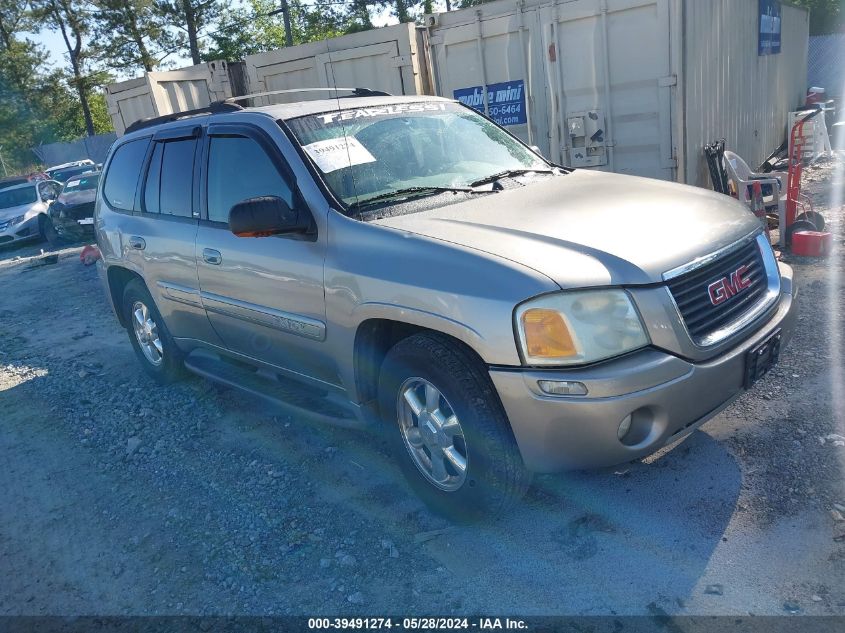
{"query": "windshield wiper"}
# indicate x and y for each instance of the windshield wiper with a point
(509, 172)
(410, 191)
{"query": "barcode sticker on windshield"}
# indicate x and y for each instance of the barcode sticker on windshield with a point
(337, 153)
(72, 183)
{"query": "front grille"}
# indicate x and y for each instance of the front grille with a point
(691, 291)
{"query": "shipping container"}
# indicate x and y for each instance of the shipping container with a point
(390, 59)
(167, 92)
(632, 86)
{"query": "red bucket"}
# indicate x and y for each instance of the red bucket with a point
(811, 243)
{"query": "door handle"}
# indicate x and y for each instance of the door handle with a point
(211, 256)
(137, 243)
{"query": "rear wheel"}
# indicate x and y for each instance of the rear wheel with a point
(148, 333)
(448, 429)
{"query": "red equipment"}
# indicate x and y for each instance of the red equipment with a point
(812, 243)
(808, 219)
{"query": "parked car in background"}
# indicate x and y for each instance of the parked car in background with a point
(12, 181)
(72, 214)
(85, 162)
(67, 173)
(23, 210)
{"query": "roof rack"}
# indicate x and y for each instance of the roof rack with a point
(216, 107)
(354, 92)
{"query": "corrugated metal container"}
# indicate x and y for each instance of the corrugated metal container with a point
(733, 93)
(632, 86)
(160, 93)
(391, 59)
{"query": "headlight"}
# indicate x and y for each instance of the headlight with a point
(16, 220)
(572, 328)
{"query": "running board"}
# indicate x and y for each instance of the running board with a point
(290, 396)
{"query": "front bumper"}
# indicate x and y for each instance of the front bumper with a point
(26, 230)
(668, 396)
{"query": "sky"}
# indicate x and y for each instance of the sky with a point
(54, 44)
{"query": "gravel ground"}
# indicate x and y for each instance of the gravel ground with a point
(119, 496)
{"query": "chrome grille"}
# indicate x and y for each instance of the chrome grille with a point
(692, 295)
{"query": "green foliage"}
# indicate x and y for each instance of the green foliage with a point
(130, 35)
(826, 16)
(250, 29)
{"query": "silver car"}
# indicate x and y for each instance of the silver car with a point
(404, 262)
(23, 210)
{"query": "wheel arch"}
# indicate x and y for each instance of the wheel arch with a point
(118, 277)
(375, 337)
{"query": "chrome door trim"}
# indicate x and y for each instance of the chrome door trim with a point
(262, 315)
(180, 294)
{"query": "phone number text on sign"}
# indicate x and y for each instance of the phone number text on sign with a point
(505, 101)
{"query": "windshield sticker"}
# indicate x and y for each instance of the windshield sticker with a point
(396, 108)
(72, 183)
(337, 153)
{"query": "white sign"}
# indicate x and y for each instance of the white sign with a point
(72, 183)
(337, 153)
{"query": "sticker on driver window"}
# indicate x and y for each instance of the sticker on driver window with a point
(73, 183)
(337, 153)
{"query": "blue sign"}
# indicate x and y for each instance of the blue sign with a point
(769, 27)
(505, 101)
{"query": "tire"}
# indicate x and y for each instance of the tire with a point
(169, 367)
(48, 233)
(494, 477)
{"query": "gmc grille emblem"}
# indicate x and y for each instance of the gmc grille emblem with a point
(726, 287)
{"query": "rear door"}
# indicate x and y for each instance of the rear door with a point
(263, 295)
(159, 236)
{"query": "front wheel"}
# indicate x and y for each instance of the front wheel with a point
(449, 430)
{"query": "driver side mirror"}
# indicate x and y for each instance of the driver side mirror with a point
(267, 215)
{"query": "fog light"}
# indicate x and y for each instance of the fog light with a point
(562, 387)
(624, 427)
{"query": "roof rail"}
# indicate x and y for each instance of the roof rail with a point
(354, 92)
(215, 107)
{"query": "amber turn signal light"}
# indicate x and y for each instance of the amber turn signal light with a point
(546, 334)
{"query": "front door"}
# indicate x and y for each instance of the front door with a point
(263, 295)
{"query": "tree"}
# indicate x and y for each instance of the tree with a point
(72, 18)
(130, 35)
(190, 17)
(255, 28)
(826, 16)
(14, 18)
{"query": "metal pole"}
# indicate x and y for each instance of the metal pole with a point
(285, 11)
(608, 111)
(480, 46)
(286, 18)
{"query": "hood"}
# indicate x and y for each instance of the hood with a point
(11, 212)
(590, 228)
(73, 198)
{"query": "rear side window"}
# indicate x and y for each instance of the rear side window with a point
(169, 184)
(238, 168)
(122, 177)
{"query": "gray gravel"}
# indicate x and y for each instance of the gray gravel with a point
(121, 496)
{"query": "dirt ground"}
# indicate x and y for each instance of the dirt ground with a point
(118, 496)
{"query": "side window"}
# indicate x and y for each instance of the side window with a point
(122, 176)
(169, 183)
(153, 184)
(238, 168)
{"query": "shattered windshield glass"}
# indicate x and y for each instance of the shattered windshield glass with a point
(370, 153)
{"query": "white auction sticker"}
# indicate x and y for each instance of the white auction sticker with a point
(337, 153)
(72, 183)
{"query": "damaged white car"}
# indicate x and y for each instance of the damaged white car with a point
(23, 210)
